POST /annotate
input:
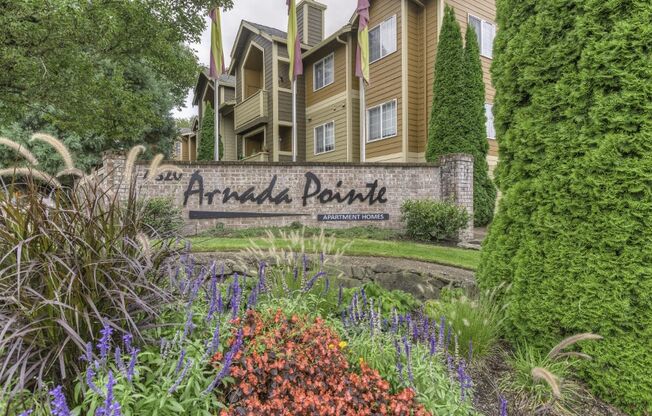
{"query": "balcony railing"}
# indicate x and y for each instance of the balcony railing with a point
(257, 157)
(251, 111)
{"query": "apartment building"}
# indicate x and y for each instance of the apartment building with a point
(403, 44)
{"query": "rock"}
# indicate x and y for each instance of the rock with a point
(385, 268)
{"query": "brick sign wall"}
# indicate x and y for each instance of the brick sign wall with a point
(316, 194)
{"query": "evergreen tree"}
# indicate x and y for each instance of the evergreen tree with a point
(206, 147)
(484, 191)
(573, 235)
(457, 119)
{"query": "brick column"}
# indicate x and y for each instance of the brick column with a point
(457, 186)
(112, 171)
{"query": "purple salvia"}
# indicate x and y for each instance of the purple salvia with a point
(363, 293)
(394, 320)
(344, 318)
(215, 342)
(312, 281)
(327, 286)
(220, 303)
(181, 377)
(131, 368)
(105, 342)
(127, 339)
(189, 326)
(58, 403)
(88, 353)
(182, 358)
(226, 365)
(295, 274)
(415, 333)
(450, 364)
(448, 338)
(27, 412)
(433, 344)
(442, 328)
(90, 376)
(503, 406)
(119, 363)
(408, 356)
(110, 407)
(463, 379)
(339, 296)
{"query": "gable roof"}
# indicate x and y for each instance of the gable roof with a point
(269, 30)
(203, 79)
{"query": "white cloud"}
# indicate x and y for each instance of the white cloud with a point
(267, 12)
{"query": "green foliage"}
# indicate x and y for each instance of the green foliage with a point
(428, 220)
(389, 300)
(368, 232)
(161, 218)
(206, 148)
(573, 231)
(477, 323)
(532, 395)
(484, 191)
(68, 267)
(108, 73)
(457, 120)
(435, 389)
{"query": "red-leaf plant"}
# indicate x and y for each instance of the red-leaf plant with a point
(294, 367)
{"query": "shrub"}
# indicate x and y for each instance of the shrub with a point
(428, 220)
(161, 218)
(457, 119)
(290, 366)
(206, 148)
(477, 323)
(573, 232)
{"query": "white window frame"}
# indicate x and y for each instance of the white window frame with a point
(323, 126)
(395, 38)
(369, 139)
(493, 125)
(314, 72)
(482, 34)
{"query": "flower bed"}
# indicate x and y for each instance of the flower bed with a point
(282, 342)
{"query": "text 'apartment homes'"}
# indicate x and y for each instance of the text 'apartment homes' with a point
(255, 97)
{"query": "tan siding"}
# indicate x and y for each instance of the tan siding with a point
(228, 137)
(285, 115)
(339, 84)
(336, 113)
(385, 74)
(415, 70)
(284, 106)
(229, 94)
(315, 25)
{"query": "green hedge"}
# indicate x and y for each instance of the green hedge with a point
(429, 220)
(160, 217)
(457, 120)
(573, 235)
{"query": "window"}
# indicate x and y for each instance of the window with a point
(382, 39)
(489, 113)
(381, 121)
(324, 72)
(485, 31)
(325, 138)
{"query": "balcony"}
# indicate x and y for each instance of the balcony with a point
(251, 112)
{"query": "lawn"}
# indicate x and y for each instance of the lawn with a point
(450, 256)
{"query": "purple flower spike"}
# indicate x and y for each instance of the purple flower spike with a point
(215, 343)
(312, 281)
(127, 339)
(88, 353)
(503, 406)
(226, 365)
(182, 358)
(132, 363)
(90, 375)
(118, 360)
(110, 407)
(105, 341)
(58, 404)
(181, 377)
(339, 296)
(189, 326)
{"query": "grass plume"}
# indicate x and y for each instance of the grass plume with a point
(555, 352)
(541, 374)
(57, 145)
(37, 174)
(18, 148)
(131, 161)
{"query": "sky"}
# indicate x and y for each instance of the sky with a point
(267, 12)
